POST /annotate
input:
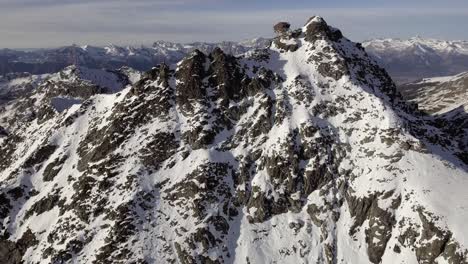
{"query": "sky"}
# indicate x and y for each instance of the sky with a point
(53, 23)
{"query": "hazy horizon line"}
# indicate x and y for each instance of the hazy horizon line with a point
(151, 43)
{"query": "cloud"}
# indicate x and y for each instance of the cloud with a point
(34, 4)
(45, 23)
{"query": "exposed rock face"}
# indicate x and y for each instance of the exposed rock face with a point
(302, 151)
(281, 27)
(380, 221)
(191, 74)
(3, 132)
(317, 28)
(13, 252)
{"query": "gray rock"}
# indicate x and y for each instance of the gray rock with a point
(281, 27)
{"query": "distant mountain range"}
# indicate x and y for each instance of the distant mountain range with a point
(22, 71)
(112, 57)
(407, 60)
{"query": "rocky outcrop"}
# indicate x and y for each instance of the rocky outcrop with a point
(13, 252)
(317, 28)
(226, 76)
(286, 40)
(3, 132)
(381, 221)
(41, 155)
(191, 72)
(281, 28)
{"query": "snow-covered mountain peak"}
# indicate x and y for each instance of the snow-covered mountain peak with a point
(314, 20)
(299, 151)
(112, 81)
(13, 85)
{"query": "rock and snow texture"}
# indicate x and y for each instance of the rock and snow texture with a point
(415, 58)
(439, 94)
(14, 84)
(302, 152)
(446, 100)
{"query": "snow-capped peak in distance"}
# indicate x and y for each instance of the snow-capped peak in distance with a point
(16, 85)
(395, 44)
(302, 151)
(107, 79)
(410, 59)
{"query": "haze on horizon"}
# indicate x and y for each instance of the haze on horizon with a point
(52, 23)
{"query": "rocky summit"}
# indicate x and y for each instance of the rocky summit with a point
(301, 152)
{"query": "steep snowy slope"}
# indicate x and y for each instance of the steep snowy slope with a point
(57, 92)
(411, 59)
(299, 153)
(446, 99)
(438, 94)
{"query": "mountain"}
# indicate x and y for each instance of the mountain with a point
(13, 85)
(405, 60)
(17, 85)
(112, 57)
(445, 98)
(438, 94)
(303, 152)
(416, 58)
